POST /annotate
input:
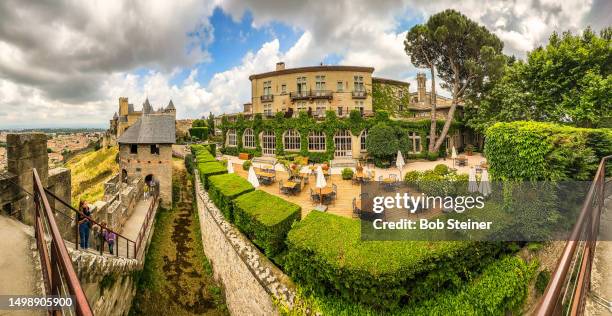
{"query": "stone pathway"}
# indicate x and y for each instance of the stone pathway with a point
(18, 275)
(134, 222)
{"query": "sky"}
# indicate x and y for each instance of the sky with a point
(65, 63)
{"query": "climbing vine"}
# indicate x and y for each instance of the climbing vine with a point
(305, 124)
(390, 98)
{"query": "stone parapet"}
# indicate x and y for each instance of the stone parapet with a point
(253, 284)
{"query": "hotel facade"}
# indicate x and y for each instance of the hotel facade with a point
(287, 93)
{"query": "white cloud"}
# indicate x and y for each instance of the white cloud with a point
(68, 63)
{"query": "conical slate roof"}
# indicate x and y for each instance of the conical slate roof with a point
(170, 106)
(146, 107)
(115, 116)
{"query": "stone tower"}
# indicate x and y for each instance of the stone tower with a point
(123, 106)
(421, 87)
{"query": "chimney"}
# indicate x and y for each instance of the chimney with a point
(421, 87)
(280, 66)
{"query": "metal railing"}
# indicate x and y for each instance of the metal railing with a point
(569, 285)
(57, 270)
(267, 97)
(311, 94)
(147, 222)
(122, 247)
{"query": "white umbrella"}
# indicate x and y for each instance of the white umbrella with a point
(453, 155)
(230, 167)
(320, 183)
(472, 184)
(485, 186)
(399, 162)
(252, 178)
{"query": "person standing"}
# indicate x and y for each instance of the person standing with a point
(84, 224)
(146, 190)
(109, 237)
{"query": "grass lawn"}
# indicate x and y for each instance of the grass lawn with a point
(89, 172)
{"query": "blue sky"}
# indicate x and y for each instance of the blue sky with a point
(200, 53)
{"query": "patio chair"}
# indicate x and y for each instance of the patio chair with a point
(356, 210)
(314, 197)
(334, 192)
(282, 188)
(393, 177)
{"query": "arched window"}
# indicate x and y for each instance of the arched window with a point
(231, 137)
(248, 138)
(292, 140)
(268, 144)
(316, 141)
(362, 139)
(343, 143)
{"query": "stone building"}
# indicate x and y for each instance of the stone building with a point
(145, 151)
(342, 89)
(128, 116)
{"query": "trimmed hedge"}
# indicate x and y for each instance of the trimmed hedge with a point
(326, 255)
(265, 219)
(202, 153)
(545, 151)
(199, 132)
(209, 169)
(501, 287)
(224, 188)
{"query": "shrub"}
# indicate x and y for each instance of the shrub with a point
(246, 165)
(226, 187)
(347, 174)
(208, 169)
(199, 132)
(326, 255)
(542, 281)
(265, 219)
(441, 169)
(189, 163)
(544, 151)
(382, 142)
(202, 153)
(502, 287)
(412, 176)
(432, 156)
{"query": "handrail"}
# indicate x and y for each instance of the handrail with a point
(116, 250)
(145, 225)
(56, 264)
(588, 224)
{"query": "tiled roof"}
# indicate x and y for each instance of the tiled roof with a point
(151, 129)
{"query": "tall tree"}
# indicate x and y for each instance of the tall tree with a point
(421, 47)
(211, 123)
(468, 57)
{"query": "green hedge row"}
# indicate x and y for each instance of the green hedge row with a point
(202, 153)
(265, 219)
(545, 151)
(327, 256)
(501, 289)
(222, 189)
(199, 132)
(209, 169)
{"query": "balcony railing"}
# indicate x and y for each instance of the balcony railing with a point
(267, 98)
(312, 94)
(360, 94)
(570, 284)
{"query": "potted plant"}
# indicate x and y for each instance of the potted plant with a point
(469, 149)
(347, 174)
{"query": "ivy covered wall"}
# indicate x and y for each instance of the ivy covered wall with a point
(305, 124)
(391, 97)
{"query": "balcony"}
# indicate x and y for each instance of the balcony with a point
(360, 94)
(312, 94)
(267, 98)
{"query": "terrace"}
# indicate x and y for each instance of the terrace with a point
(346, 189)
